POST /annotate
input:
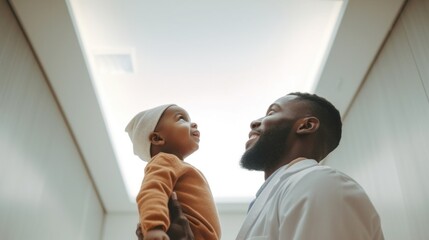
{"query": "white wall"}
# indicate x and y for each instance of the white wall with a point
(231, 222)
(385, 143)
(120, 226)
(50, 28)
(45, 191)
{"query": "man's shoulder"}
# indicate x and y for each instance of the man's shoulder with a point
(321, 184)
(322, 176)
(324, 171)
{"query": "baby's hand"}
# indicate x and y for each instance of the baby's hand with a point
(156, 234)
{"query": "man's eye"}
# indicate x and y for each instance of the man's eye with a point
(270, 113)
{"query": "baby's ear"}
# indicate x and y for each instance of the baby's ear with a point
(156, 139)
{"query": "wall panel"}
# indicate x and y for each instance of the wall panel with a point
(119, 226)
(416, 23)
(45, 191)
(385, 140)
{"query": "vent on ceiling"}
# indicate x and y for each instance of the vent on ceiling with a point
(114, 63)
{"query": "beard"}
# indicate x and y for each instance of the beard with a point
(267, 151)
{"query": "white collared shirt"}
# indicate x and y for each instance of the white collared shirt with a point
(307, 201)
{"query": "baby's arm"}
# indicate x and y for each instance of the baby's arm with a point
(160, 177)
(179, 227)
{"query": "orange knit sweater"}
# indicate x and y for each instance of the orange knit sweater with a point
(166, 173)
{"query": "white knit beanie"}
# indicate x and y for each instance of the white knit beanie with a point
(141, 126)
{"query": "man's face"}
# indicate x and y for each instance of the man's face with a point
(268, 138)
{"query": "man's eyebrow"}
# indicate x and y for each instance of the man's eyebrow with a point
(273, 105)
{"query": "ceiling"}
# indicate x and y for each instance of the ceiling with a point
(223, 61)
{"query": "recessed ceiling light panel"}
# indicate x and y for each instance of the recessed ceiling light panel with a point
(114, 63)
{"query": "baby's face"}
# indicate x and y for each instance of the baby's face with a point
(181, 136)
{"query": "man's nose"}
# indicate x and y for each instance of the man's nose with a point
(255, 123)
(194, 125)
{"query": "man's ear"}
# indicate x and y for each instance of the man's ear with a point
(156, 139)
(308, 125)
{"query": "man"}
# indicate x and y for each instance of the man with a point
(300, 199)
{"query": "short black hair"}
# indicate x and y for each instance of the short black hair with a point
(328, 115)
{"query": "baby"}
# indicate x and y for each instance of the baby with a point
(164, 136)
